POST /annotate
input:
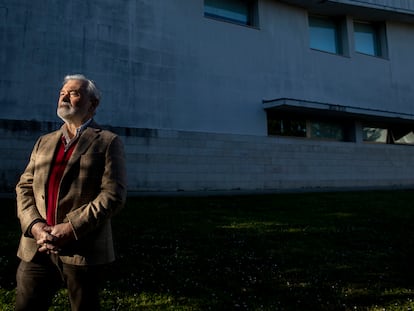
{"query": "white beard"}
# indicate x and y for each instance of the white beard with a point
(66, 112)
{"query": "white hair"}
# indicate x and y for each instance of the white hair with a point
(91, 88)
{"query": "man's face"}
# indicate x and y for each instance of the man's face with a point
(74, 105)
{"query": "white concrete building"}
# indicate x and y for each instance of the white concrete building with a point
(221, 94)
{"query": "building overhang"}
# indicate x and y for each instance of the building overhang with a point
(314, 108)
(358, 9)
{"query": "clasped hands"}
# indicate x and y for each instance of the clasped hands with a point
(51, 239)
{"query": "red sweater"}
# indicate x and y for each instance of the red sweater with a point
(58, 167)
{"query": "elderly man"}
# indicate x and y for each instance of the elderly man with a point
(73, 184)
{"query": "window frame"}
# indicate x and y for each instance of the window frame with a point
(317, 22)
(307, 123)
(251, 16)
(380, 129)
(378, 35)
(395, 132)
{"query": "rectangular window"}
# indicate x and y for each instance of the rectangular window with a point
(401, 134)
(388, 133)
(286, 127)
(375, 135)
(325, 34)
(243, 12)
(369, 38)
(297, 125)
(327, 130)
(407, 139)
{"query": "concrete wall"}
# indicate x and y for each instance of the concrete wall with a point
(178, 160)
(170, 160)
(191, 88)
(162, 64)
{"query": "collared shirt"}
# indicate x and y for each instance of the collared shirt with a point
(67, 141)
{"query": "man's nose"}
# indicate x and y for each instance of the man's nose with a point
(65, 95)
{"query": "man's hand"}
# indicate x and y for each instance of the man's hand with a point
(63, 233)
(42, 234)
(52, 239)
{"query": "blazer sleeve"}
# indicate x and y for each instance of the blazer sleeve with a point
(111, 197)
(27, 211)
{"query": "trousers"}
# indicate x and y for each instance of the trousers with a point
(39, 280)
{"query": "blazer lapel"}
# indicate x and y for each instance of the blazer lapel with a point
(48, 150)
(85, 140)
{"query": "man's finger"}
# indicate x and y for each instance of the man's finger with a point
(47, 247)
(43, 248)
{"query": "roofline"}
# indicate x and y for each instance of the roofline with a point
(329, 108)
(356, 8)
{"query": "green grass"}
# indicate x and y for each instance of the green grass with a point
(307, 251)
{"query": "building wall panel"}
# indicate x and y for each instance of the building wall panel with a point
(185, 92)
(190, 161)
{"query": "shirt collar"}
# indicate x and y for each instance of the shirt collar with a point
(65, 137)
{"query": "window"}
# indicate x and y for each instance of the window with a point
(374, 134)
(392, 133)
(325, 34)
(294, 125)
(286, 127)
(407, 139)
(322, 124)
(243, 12)
(327, 130)
(369, 38)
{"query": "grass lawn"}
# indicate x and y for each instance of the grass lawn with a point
(307, 251)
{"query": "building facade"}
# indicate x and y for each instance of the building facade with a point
(221, 94)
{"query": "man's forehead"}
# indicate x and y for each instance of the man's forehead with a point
(75, 83)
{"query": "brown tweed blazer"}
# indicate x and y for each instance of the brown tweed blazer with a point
(92, 190)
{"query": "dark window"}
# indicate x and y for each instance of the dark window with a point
(286, 127)
(327, 130)
(325, 34)
(281, 123)
(243, 12)
(370, 38)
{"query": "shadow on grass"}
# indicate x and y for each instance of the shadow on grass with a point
(316, 251)
(309, 251)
